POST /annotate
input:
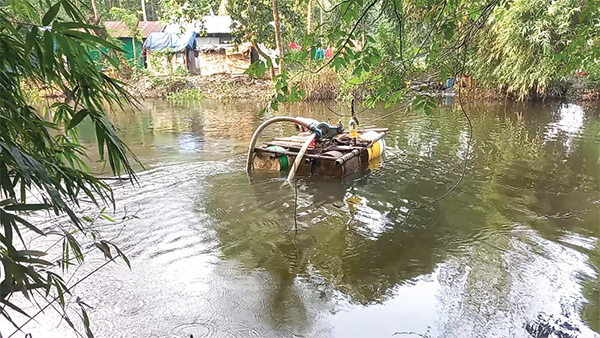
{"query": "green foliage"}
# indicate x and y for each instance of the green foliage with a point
(252, 21)
(42, 156)
(181, 71)
(187, 11)
(185, 95)
(157, 81)
(425, 102)
(129, 18)
(538, 43)
(31, 94)
(153, 8)
(519, 46)
(159, 64)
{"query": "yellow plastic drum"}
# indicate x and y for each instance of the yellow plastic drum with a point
(377, 148)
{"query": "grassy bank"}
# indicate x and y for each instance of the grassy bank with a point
(576, 89)
(326, 85)
(193, 87)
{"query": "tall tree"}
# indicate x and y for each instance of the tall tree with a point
(144, 10)
(95, 16)
(132, 22)
(309, 15)
(278, 42)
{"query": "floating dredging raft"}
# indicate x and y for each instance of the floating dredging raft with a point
(321, 148)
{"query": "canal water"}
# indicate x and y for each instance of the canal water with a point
(513, 251)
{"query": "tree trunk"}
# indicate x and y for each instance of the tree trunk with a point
(278, 41)
(321, 23)
(135, 59)
(223, 7)
(267, 57)
(144, 10)
(309, 15)
(96, 18)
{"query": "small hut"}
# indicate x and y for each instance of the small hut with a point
(180, 42)
(224, 59)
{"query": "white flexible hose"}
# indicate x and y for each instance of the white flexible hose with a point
(301, 153)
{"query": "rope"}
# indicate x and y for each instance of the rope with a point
(295, 205)
(411, 333)
(344, 115)
(333, 111)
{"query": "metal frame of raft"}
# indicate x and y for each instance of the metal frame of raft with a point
(333, 152)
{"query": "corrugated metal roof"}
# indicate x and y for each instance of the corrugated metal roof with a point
(118, 29)
(148, 27)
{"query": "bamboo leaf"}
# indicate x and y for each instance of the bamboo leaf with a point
(14, 307)
(108, 218)
(27, 207)
(63, 26)
(14, 218)
(48, 51)
(51, 14)
(31, 37)
(78, 118)
(31, 253)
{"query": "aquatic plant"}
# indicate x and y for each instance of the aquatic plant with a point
(185, 95)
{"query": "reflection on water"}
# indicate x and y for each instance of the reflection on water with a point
(570, 123)
(512, 252)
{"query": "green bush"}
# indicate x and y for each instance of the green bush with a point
(156, 82)
(180, 71)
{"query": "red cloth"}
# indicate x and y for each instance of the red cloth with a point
(295, 46)
(329, 53)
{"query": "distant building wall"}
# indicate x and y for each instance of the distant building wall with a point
(224, 60)
(213, 39)
(127, 46)
(207, 40)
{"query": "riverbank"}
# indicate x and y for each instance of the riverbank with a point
(572, 92)
(325, 87)
(219, 86)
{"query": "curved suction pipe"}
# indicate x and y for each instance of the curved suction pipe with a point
(307, 123)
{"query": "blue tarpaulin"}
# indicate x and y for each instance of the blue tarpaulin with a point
(184, 40)
(176, 41)
(158, 41)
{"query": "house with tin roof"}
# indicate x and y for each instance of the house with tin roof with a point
(118, 29)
